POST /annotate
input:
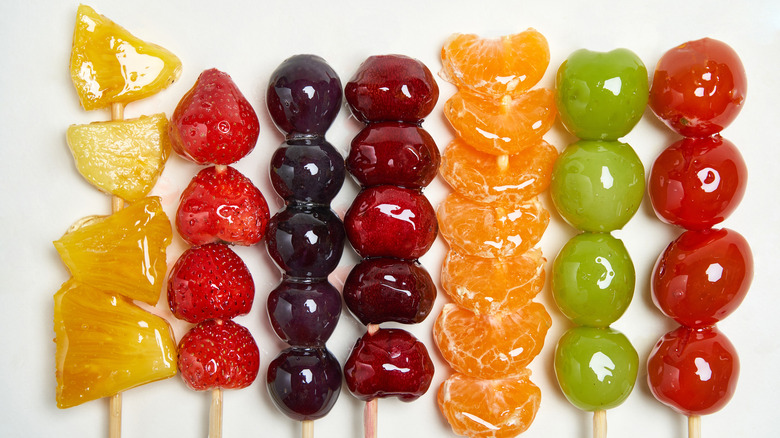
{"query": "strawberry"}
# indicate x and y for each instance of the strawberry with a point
(218, 353)
(210, 281)
(221, 205)
(213, 122)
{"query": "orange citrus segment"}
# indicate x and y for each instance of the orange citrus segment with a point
(106, 344)
(495, 67)
(122, 158)
(491, 230)
(123, 253)
(502, 127)
(492, 286)
(110, 65)
(491, 346)
(482, 177)
(500, 408)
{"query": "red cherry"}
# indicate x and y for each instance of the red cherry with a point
(388, 363)
(400, 154)
(696, 183)
(390, 221)
(391, 88)
(698, 87)
(694, 371)
(702, 276)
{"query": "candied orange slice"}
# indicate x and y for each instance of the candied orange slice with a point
(106, 345)
(495, 67)
(123, 253)
(491, 230)
(492, 286)
(500, 408)
(491, 346)
(502, 127)
(509, 179)
(110, 65)
(124, 157)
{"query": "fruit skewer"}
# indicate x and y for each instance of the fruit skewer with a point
(597, 186)
(492, 220)
(390, 224)
(701, 277)
(305, 239)
(214, 124)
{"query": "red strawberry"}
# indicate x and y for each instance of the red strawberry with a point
(213, 122)
(221, 206)
(218, 353)
(210, 281)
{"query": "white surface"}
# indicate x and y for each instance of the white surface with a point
(42, 194)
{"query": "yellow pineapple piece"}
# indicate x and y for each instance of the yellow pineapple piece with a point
(106, 345)
(110, 65)
(123, 253)
(124, 157)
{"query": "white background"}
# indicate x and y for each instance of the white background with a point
(42, 194)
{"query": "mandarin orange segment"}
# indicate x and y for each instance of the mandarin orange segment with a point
(502, 127)
(124, 253)
(106, 344)
(488, 178)
(493, 286)
(491, 230)
(495, 67)
(500, 408)
(110, 65)
(491, 346)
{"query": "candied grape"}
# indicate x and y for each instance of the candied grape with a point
(381, 289)
(304, 95)
(305, 241)
(307, 170)
(390, 221)
(596, 367)
(304, 383)
(593, 279)
(304, 312)
(394, 153)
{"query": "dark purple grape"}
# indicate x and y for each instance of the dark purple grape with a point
(304, 96)
(307, 170)
(305, 241)
(303, 312)
(382, 289)
(304, 383)
(400, 154)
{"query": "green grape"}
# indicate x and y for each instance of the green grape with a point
(601, 95)
(593, 279)
(596, 367)
(597, 185)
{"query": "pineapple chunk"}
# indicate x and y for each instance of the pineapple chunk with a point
(110, 65)
(123, 253)
(106, 344)
(124, 157)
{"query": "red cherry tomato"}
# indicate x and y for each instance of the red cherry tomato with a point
(698, 87)
(702, 276)
(697, 182)
(694, 371)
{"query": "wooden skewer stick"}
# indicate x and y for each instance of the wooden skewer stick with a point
(215, 414)
(600, 424)
(694, 426)
(115, 402)
(307, 429)
(370, 411)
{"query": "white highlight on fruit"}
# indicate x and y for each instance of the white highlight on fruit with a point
(606, 178)
(601, 365)
(312, 168)
(311, 237)
(710, 179)
(714, 272)
(613, 85)
(138, 70)
(309, 90)
(480, 421)
(491, 136)
(396, 212)
(606, 278)
(405, 91)
(702, 369)
(391, 367)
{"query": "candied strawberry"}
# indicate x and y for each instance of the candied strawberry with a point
(214, 123)
(222, 206)
(392, 88)
(210, 281)
(218, 353)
